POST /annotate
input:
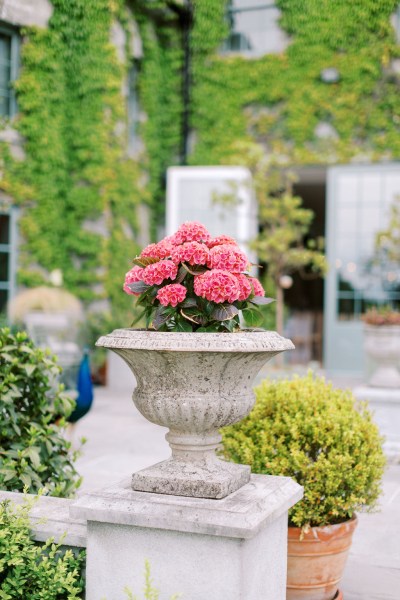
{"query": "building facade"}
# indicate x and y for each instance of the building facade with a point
(90, 128)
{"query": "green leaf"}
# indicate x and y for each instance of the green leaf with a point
(252, 316)
(261, 300)
(223, 312)
(189, 302)
(26, 479)
(182, 272)
(144, 261)
(33, 454)
(162, 315)
(195, 269)
(138, 287)
(195, 315)
(182, 325)
(29, 369)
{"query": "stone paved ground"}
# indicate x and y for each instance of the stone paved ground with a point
(121, 441)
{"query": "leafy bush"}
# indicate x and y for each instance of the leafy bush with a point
(33, 452)
(34, 571)
(320, 436)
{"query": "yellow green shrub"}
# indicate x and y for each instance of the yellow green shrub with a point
(322, 437)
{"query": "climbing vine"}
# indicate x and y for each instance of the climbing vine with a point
(78, 187)
(280, 100)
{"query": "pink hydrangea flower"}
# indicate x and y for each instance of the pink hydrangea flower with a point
(221, 239)
(217, 285)
(191, 231)
(156, 273)
(160, 250)
(228, 258)
(192, 252)
(135, 274)
(244, 285)
(171, 295)
(258, 288)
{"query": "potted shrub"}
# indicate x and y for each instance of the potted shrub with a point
(382, 345)
(306, 429)
(193, 363)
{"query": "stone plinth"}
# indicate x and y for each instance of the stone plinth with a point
(204, 549)
(385, 404)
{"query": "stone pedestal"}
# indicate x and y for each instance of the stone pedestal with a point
(385, 404)
(203, 549)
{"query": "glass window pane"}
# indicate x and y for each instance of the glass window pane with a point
(4, 105)
(4, 266)
(5, 77)
(347, 219)
(348, 189)
(254, 27)
(346, 308)
(4, 229)
(5, 47)
(3, 302)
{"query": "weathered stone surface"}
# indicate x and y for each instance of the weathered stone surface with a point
(205, 549)
(240, 515)
(50, 518)
(194, 384)
(26, 12)
(385, 405)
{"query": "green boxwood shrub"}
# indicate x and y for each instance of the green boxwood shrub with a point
(32, 571)
(33, 452)
(322, 437)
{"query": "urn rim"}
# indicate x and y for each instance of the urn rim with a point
(242, 341)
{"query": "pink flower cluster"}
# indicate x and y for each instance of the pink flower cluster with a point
(257, 287)
(193, 253)
(228, 257)
(244, 286)
(160, 250)
(221, 239)
(171, 295)
(225, 281)
(217, 286)
(132, 276)
(192, 231)
(156, 273)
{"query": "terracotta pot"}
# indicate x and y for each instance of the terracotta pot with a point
(316, 562)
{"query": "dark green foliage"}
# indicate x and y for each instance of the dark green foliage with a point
(29, 571)
(33, 451)
(320, 436)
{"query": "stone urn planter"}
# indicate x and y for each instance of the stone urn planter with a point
(316, 560)
(382, 346)
(194, 384)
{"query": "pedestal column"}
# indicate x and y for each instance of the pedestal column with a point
(204, 549)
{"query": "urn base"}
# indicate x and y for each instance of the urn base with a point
(206, 479)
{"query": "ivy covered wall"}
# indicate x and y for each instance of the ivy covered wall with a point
(279, 100)
(78, 186)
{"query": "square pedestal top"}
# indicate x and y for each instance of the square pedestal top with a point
(242, 514)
